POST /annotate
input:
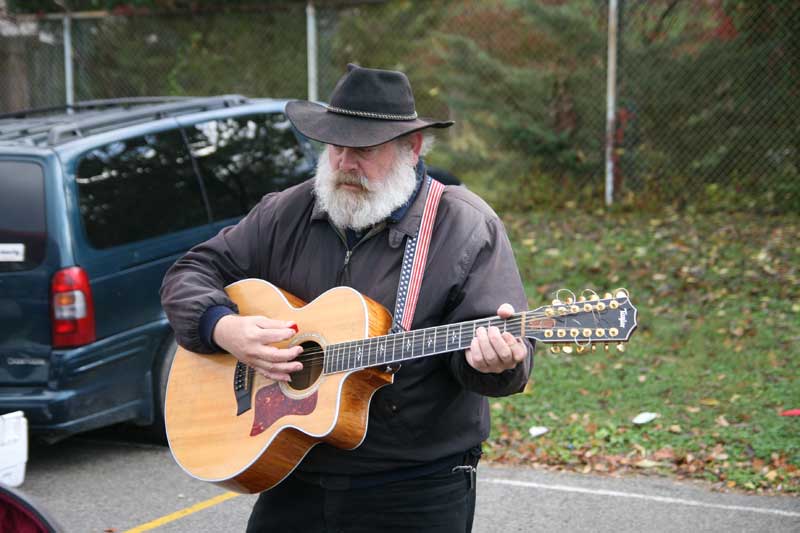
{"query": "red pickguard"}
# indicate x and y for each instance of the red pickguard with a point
(271, 404)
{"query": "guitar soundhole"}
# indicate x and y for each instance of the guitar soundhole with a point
(312, 366)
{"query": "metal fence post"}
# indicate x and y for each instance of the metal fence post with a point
(311, 47)
(68, 80)
(611, 94)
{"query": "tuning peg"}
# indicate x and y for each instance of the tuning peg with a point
(557, 302)
(549, 312)
(567, 349)
(594, 347)
(581, 298)
(620, 347)
(607, 296)
(594, 297)
(606, 347)
(621, 293)
(555, 348)
(613, 304)
(613, 332)
(580, 348)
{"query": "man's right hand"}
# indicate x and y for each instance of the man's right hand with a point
(250, 339)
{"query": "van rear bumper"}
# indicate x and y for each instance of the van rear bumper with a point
(103, 383)
(57, 414)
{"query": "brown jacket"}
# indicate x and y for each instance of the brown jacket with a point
(436, 406)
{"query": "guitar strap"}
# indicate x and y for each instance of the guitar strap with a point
(414, 261)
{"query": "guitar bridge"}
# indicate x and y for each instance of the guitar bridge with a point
(242, 384)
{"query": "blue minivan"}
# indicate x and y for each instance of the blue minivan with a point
(96, 202)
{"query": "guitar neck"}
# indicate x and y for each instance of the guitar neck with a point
(610, 320)
(404, 346)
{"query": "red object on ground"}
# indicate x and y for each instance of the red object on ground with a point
(791, 412)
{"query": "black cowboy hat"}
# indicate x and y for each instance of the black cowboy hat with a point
(368, 107)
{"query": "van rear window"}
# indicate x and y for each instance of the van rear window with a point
(23, 232)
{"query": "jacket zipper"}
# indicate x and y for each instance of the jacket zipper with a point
(349, 251)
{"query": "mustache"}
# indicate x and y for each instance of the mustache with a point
(350, 178)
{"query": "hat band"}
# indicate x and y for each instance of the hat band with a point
(368, 114)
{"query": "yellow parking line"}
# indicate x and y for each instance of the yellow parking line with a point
(158, 522)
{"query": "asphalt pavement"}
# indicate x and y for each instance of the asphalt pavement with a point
(111, 485)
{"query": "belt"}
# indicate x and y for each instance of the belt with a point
(363, 481)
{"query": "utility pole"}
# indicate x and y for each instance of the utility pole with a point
(311, 50)
(611, 98)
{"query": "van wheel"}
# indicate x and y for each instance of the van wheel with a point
(160, 378)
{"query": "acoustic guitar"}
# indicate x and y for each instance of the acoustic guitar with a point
(230, 426)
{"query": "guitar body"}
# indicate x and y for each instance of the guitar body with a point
(251, 442)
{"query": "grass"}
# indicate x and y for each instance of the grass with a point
(716, 353)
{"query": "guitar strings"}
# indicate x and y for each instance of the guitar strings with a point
(416, 343)
(327, 355)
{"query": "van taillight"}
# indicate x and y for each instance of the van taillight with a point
(73, 308)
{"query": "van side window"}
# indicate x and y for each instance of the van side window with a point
(243, 158)
(22, 221)
(138, 188)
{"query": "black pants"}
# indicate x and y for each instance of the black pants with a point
(442, 502)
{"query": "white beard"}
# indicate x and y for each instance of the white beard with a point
(359, 210)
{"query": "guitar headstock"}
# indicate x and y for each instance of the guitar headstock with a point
(582, 323)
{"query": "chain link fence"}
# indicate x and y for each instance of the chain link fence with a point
(706, 91)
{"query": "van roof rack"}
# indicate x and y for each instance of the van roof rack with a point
(57, 125)
(92, 104)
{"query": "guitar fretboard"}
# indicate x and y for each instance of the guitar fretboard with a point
(404, 346)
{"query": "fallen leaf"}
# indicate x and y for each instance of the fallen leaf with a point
(711, 402)
(675, 428)
(771, 475)
(721, 421)
(646, 463)
(664, 454)
(692, 409)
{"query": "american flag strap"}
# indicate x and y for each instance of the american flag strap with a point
(415, 260)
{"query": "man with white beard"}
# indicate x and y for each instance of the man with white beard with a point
(415, 468)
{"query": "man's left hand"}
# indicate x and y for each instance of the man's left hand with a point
(491, 351)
